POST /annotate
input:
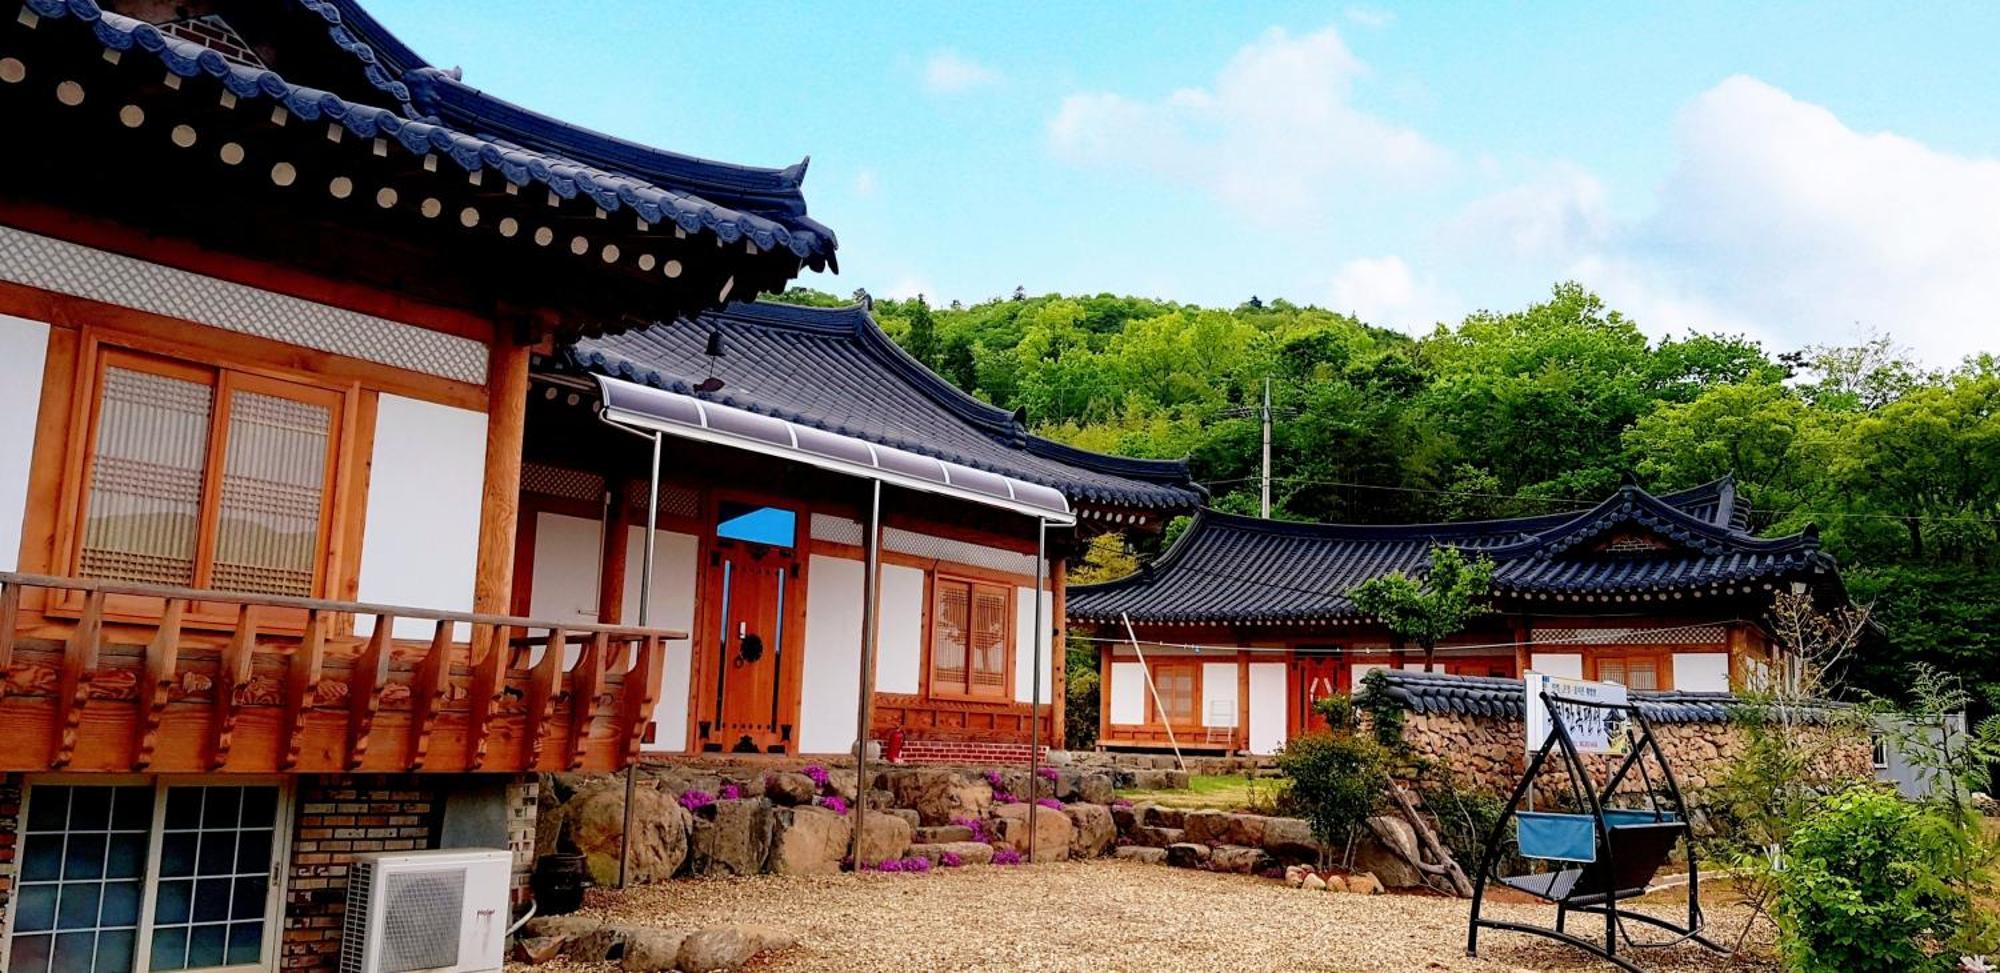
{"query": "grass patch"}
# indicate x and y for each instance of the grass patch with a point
(1220, 792)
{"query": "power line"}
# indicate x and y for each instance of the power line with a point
(1485, 648)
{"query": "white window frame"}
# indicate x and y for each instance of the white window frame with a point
(142, 952)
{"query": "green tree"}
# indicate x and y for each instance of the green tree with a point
(1428, 609)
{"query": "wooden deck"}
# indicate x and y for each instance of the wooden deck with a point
(116, 677)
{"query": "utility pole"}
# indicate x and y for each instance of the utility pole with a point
(1264, 508)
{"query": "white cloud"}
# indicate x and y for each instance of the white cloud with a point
(948, 72)
(1370, 16)
(1384, 291)
(1780, 220)
(1274, 133)
(908, 287)
(865, 183)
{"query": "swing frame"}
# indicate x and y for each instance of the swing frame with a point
(1640, 742)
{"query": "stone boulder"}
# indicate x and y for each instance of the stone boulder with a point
(1239, 859)
(884, 837)
(1163, 817)
(1158, 837)
(1138, 853)
(1187, 854)
(1312, 883)
(729, 947)
(809, 841)
(916, 820)
(1053, 831)
(650, 950)
(736, 842)
(1095, 787)
(595, 819)
(1364, 883)
(1128, 816)
(939, 795)
(1382, 849)
(943, 834)
(1093, 830)
(968, 852)
(1290, 840)
(790, 789)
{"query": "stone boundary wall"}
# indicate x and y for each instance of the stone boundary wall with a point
(1490, 753)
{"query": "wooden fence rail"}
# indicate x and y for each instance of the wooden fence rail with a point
(116, 676)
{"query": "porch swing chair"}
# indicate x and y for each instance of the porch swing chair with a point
(1612, 854)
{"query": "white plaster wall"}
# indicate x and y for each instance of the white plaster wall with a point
(24, 348)
(1267, 706)
(1025, 633)
(1128, 693)
(899, 646)
(832, 677)
(1568, 665)
(564, 577)
(676, 578)
(1218, 685)
(421, 546)
(1701, 672)
(1357, 675)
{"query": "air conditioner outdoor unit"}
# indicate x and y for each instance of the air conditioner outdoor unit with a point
(442, 911)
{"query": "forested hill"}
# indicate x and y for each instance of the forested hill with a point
(1529, 411)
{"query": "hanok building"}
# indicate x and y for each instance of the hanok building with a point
(270, 286)
(1243, 623)
(782, 421)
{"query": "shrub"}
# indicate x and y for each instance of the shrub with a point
(1873, 883)
(1465, 819)
(1337, 779)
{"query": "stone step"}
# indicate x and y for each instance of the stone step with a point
(943, 834)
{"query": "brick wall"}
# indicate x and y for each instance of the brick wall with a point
(10, 823)
(337, 818)
(523, 798)
(947, 752)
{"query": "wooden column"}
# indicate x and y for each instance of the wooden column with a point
(1103, 689)
(1240, 739)
(500, 505)
(611, 576)
(1059, 648)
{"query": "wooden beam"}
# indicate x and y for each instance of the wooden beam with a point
(230, 682)
(586, 681)
(641, 690)
(611, 576)
(10, 619)
(500, 504)
(364, 696)
(427, 692)
(73, 686)
(488, 682)
(543, 683)
(162, 659)
(302, 676)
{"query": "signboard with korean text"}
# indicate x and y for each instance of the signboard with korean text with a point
(1593, 729)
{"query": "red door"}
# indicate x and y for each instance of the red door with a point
(750, 650)
(1314, 677)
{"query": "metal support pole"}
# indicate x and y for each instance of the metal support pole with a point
(1040, 631)
(645, 619)
(870, 621)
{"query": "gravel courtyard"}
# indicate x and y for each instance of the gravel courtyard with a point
(1110, 915)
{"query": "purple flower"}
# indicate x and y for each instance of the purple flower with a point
(1050, 803)
(1006, 856)
(1005, 797)
(891, 865)
(993, 778)
(696, 800)
(950, 859)
(916, 864)
(834, 803)
(974, 825)
(731, 792)
(815, 773)
(1048, 773)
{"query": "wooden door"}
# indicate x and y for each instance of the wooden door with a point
(752, 646)
(1314, 677)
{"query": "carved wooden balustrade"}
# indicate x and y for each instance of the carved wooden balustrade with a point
(120, 677)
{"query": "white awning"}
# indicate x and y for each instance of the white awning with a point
(645, 407)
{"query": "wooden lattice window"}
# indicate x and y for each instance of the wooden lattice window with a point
(1179, 686)
(971, 639)
(1633, 671)
(207, 477)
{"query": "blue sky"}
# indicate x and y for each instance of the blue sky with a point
(1800, 172)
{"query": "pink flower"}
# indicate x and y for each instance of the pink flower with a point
(1050, 803)
(815, 773)
(834, 803)
(696, 800)
(1048, 773)
(731, 792)
(1006, 856)
(950, 859)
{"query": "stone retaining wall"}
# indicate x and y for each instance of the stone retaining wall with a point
(1490, 754)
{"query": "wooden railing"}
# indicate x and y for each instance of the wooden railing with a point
(121, 677)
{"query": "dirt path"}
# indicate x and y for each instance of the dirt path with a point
(1109, 915)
